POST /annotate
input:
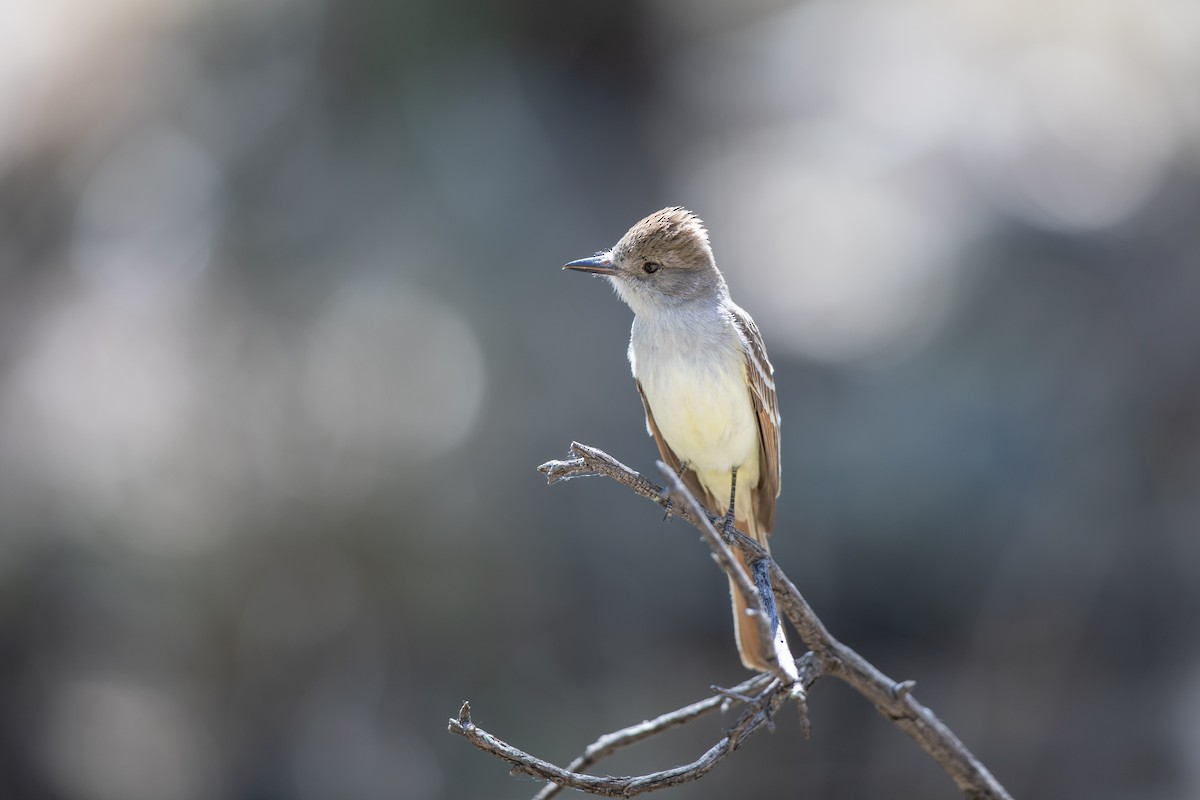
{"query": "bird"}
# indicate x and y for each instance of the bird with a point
(706, 385)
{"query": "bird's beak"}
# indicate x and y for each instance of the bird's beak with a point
(599, 264)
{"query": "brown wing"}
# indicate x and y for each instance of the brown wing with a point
(761, 377)
(668, 455)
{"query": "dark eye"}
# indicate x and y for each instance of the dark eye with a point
(650, 267)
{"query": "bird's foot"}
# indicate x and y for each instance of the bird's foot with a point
(729, 525)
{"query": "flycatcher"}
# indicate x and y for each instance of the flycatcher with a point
(705, 382)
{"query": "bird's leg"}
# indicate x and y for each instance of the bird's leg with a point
(667, 493)
(729, 523)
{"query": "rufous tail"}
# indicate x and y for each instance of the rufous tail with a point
(757, 652)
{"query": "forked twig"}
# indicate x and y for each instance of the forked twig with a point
(828, 656)
(765, 695)
(610, 743)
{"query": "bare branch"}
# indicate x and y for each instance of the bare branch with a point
(760, 696)
(771, 695)
(589, 461)
(893, 699)
(610, 743)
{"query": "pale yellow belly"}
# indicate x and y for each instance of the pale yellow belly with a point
(708, 420)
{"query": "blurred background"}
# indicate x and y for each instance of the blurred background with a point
(283, 337)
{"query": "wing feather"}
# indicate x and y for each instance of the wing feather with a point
(760, 375)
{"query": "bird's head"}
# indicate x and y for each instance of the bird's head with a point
(663, 260)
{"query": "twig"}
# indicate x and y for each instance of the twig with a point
(771, 694)
(590, 461)
(610, 743)
(894, 700)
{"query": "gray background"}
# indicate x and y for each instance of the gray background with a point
(283, 336)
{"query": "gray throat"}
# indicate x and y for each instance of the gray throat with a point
(696, 332)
